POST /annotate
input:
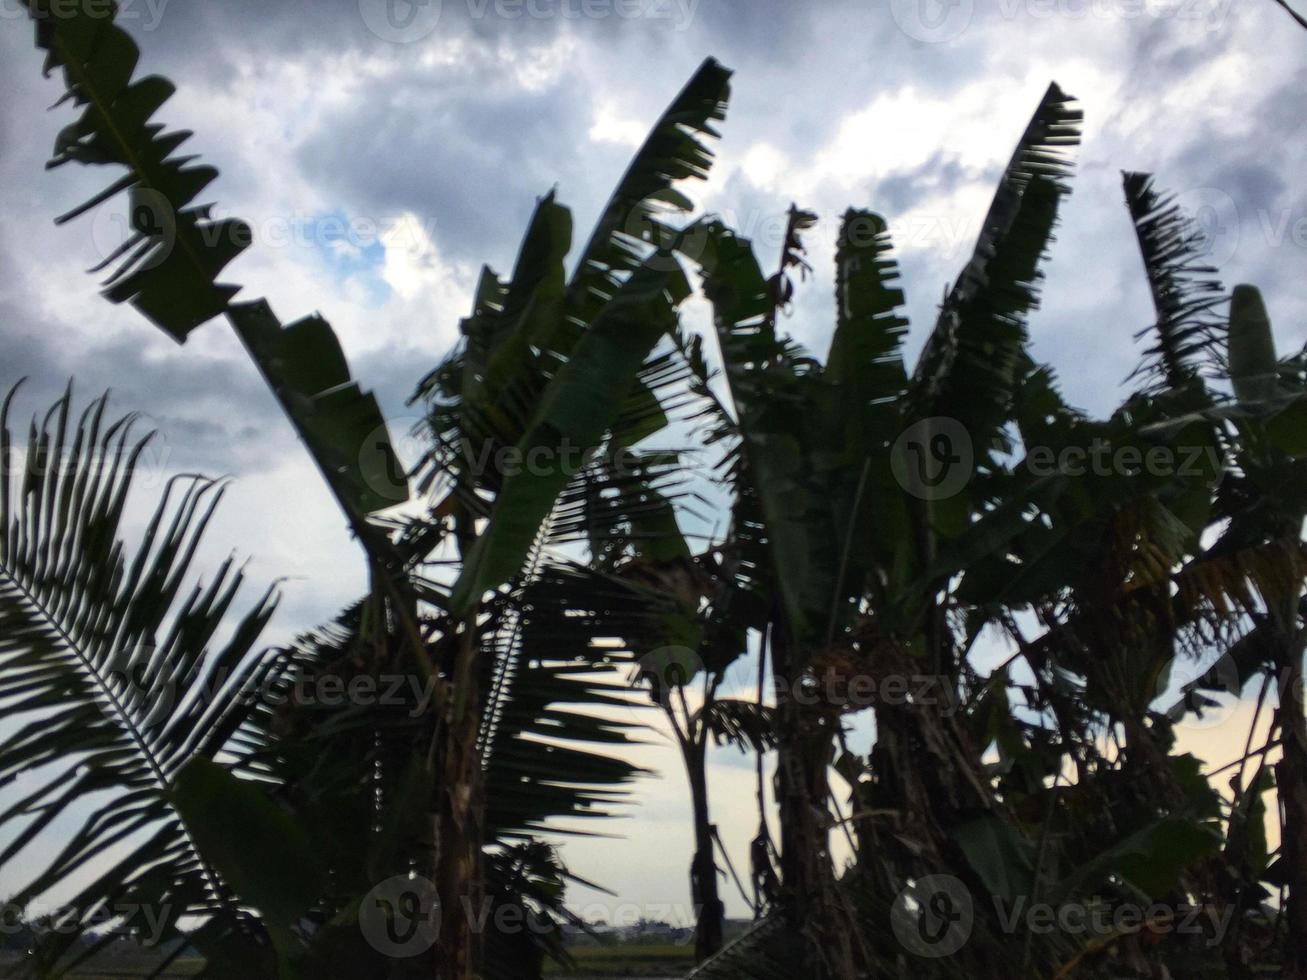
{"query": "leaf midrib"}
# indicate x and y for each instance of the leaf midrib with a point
(127, 723)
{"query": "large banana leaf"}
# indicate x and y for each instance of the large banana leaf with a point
(636, 215)
(169, 265)
(575, 411)
(967, 369)
(774, 388)
(867, 380)
(525, 333)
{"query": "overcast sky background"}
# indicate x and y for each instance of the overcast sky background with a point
(381, 167)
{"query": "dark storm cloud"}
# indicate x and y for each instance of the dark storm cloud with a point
(188, 399)
(217, 37)
(902, 191)
(464, 145)
(1250, 183)
(470, 162)
(186, 403)
(465, 148)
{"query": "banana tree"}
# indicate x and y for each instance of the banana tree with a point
(1256, 562)
(1273, 494)
(575, 348)
(877, 562)
(854, 550)
(841, 541)
(683, 657)
(562, 374)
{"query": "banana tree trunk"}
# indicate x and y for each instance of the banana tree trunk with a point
(704, 893)
(1291, 772)
(458, 831)
(808, 887)
(1291, 776)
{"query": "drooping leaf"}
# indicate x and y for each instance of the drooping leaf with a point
(341, 425)
(170, 264)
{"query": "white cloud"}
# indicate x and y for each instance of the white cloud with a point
(608, 127)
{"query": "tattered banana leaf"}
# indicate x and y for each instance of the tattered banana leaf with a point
(342, 426)
(1184, 289)
(169, 265)
(576, 409)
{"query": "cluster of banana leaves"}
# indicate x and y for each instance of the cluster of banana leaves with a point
(155, 755)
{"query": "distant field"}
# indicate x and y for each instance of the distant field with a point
(132, 975)
(183, 969)
(627, 961)
(593, 962)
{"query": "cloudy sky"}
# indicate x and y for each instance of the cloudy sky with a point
(383, 153)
